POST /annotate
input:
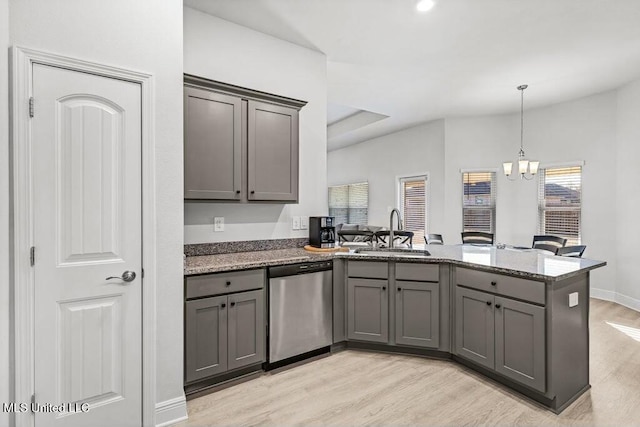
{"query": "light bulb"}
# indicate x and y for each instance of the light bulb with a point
(425, 5)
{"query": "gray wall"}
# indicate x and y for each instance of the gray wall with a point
(145, 36)
(223, 51)
(5, 368)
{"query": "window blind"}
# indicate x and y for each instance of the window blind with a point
(560, 203)
(479, 201)
(414, 206)
(349, 204)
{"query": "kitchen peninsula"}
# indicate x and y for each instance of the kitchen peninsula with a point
(519, 317)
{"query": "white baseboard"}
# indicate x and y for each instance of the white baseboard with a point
(171, 411)
(612, 296)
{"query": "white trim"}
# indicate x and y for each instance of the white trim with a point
(171, 412)
(573, 164)
(612, 296)
(21, 78)
(496, 170)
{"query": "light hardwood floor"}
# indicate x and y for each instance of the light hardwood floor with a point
(354, 388)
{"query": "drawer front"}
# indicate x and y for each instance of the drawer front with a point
(224, 283)
(418, 272)
(369, 270)
(527, 290)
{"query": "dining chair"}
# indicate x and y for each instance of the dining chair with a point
(477, 237)
(434, 239)
(548, 242)
(402, 235)
(571, 251)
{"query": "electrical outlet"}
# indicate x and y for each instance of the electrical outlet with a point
(573, 299)
(304, 222)
(295, 223)
(218, 223)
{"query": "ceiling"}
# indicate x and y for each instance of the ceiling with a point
(464, 57)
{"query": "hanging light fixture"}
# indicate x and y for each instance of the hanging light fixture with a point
(525, 167)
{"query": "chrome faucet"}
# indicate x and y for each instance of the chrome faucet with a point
(397, 212)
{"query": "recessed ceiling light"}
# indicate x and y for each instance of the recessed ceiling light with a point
(425, 5)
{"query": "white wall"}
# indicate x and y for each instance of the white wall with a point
(5, 365)
(381, 161)
(145, 36)
(226, 52)
(582, 130)
(628, 195)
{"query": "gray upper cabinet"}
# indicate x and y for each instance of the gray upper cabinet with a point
(240, 144)
(520, 342)
(212, 145)
(205, 338)
(417, 313)
(368, 310)
(272, 152)
(246, 329)
(475, 326)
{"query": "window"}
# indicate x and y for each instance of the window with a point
(413, 205)
(560, 203)
(349, 204)
(479, 201)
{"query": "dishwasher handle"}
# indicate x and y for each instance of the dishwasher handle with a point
(295, 269)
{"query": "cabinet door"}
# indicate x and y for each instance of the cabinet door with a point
(272, 152)
(212, 145)
(475, 326)
(368, 310)
(246, 328)
(205, 337)
(417, 314)
(520, 343)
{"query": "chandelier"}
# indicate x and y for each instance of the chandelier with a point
(526, 169)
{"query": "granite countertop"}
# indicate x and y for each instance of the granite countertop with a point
(246, 260)
(528, 263)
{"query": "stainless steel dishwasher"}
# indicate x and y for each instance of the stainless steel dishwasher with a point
(300, 309)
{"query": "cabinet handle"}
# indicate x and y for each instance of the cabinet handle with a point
(253, 192)
(228, 283)
(494, 283)
(384, 288)
(223, 305)
(498, 306)
(237, 191)
(232, 304)
(399, 289)
(488, 302)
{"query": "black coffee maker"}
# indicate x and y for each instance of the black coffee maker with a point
(322, 231)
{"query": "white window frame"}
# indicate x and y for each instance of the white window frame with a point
(544, 167)
(427, 199)
(494, 224)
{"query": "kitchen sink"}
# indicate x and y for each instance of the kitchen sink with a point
(392, 252)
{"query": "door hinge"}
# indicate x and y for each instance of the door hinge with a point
(142, 269)
(31, 108)
(32, 256)
(33, 401)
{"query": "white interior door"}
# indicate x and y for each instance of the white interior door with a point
(86, 162)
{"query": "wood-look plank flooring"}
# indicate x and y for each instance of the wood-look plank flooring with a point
(355, 388)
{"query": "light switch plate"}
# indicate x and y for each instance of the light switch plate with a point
(573, 299)
(304, 222)
(218, 223)
(295, 223)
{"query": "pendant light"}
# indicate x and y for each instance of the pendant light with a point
(526, 169)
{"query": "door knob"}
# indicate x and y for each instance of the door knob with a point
(127, 276)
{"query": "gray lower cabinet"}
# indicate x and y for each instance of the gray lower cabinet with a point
(520, 342)
(223, 333)
(205, 338)
(212, 145)
(272, 152)
(502, 334)
(246, 329)
(417, 314)
(368, 310)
